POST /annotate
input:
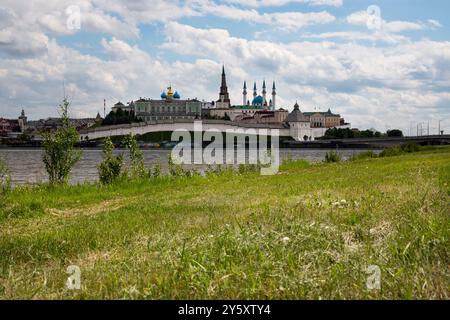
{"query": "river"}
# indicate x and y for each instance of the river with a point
(26, 167)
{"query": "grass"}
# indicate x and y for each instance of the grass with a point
(309, 232)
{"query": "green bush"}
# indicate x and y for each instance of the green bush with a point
(59, 148)
(404, 148)
(391, 152)
(364, 155)
(156, 171)
(110, 170)
(332, 156)
(175, 170)
(410, 147)
(5, 179)
(138, 170)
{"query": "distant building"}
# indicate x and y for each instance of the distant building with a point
(224, 97)
(263, 116)
(23, 121)
(244, 112)
(324, 119)
(299, 125)
(260, 100)
(8, 127)
(170, 107)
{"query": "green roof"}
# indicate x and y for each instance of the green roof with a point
(247, 107)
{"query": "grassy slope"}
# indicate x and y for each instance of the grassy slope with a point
(222, 237)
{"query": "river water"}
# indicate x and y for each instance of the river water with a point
(26, 167)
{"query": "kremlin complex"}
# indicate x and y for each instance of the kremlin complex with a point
(256, 110)
(261, 109)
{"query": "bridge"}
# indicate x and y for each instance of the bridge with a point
(284, 130)
(375, 143)
(142, 128)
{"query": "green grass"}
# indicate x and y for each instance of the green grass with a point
(241, 236)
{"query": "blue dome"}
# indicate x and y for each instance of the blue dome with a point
(176, 95)
(163, 95)
(258, 101)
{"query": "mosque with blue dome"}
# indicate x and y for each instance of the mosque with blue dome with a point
(258, 101)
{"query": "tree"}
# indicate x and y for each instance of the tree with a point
(59, 148)
(136, 156)
(111, 167)
(394, 133)
(119, 117)
(5, 179)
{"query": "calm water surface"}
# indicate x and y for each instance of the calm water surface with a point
(26, 166)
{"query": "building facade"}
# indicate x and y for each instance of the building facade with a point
(326, 119)
(170, 107)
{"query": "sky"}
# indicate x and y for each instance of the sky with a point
(380, 64)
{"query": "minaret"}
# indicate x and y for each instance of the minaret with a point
(274, 93)
(224, 97)
(254, 90)
(264, 93)
(244, 94)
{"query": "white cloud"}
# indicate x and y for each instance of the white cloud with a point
(360, 18)
(356, 79)
(371, 86)
(278, 3)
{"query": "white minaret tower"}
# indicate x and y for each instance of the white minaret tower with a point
(244, 94)
(264, 93)
(274, 94)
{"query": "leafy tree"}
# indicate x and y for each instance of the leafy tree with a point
(111, 167)
(119, 117)
(5, 179)
(136, 156)
(59, 148)
(394, 133)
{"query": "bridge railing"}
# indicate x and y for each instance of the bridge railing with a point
(181, 121)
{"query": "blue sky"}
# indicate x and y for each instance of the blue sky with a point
(320, 52)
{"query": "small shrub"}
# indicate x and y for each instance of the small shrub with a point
(391, 152)
(364, 155)
(332, 156)
(410, 147)
(110, 170)
(59, 148)
(156, 172)
(137, 170)
(175, 170)
(5, 179)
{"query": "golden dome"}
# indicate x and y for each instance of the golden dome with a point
(170, 91)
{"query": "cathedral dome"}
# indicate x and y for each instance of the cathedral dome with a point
(258, 101)
(176, 95)
(163, 95)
